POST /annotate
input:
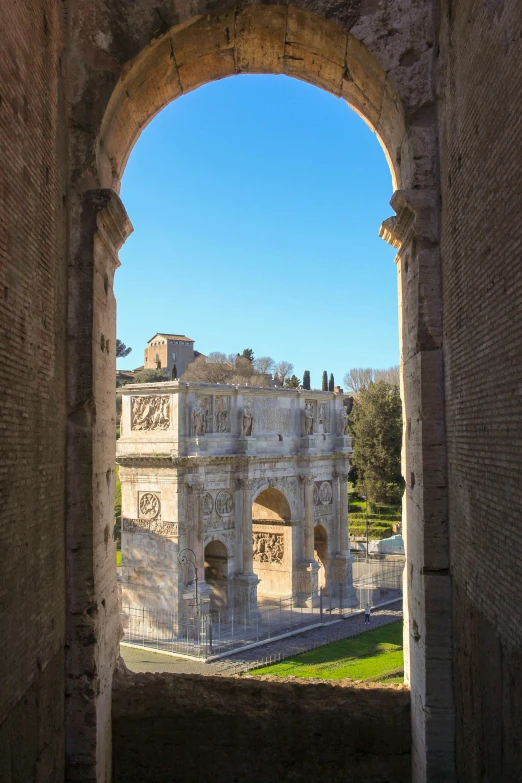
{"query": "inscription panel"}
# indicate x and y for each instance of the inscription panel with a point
(269, 418)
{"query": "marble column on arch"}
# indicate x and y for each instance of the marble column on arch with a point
(245, 582)
(307, 567)
(196, 540)
(341, 563)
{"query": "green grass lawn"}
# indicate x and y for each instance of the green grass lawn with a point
(118, 557)
(374, 656)
(381, 518)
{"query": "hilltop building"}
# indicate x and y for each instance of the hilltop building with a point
(169, 351)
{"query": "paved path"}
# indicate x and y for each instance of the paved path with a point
(139, 660)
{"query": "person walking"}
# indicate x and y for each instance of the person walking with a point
(367, 613)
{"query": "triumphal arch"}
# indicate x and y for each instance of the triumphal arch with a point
(252, 480)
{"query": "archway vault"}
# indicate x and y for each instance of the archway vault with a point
(256, 39)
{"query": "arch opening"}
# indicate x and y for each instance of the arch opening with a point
(260, 39)
(321, 555)
(216, 575)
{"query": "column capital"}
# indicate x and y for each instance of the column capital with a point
(306, 480)
(196, 488)
(245, 484)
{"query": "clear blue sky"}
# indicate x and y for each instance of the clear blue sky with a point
(256, 203)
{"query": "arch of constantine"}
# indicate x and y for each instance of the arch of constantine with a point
(252, 480)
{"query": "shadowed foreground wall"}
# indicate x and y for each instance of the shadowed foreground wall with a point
(33, 302)
(481, 157)
(194, 729)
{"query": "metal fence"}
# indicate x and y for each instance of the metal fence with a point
(203, 634)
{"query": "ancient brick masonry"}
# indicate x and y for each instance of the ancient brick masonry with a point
(33, 301)
(481, 159)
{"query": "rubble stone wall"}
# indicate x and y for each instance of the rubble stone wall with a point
(223, 728)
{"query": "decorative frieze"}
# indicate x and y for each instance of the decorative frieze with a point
(268, 548)
(150, 413)
(150, 526)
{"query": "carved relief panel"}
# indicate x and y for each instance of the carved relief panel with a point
(268, 547)
(323, 418)
(150, 413)
(149, 505)
(222, 413)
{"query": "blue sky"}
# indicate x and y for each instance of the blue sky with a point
(256, 203)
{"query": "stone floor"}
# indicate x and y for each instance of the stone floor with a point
(139, 660)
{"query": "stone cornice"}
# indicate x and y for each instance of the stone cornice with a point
(238, 461)
(176, 387)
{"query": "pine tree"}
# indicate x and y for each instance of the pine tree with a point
(331, 382)
(174, 373)
(248, 353)
(324, 386)
(306, 379)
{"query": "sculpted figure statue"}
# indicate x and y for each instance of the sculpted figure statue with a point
(198, 420)
(308, 420)
(248, 420)
(343, 421)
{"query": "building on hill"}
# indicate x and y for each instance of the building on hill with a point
(163, 351)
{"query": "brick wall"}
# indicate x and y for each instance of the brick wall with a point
(481, 159)
(32, 391)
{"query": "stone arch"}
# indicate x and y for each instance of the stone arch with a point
(321, 554)
(251, 39)
(118, 81)
(271, 504)
(217, 559)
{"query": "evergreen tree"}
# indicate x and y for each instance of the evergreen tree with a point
(174, 372)
(292, 383)
(248, 353)
(121, 350)
(306, 379)
(324, 386)
(376, 426)
(331, 382)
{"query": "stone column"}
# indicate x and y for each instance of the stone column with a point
(196, 538)
(309, 518)
(245, 583)
(344, 541)
(342, 576)
(308, 569)
(246, 526)
(335, 546)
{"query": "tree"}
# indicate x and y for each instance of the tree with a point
(174, 372)
(376, 426)
(121, 350)
(219, 368)
(331, 382)
(283, 369)
(248, 353)
(324, 386)
(358, 378)
(264, 364)
(390, 375)
(306, 379)
(292, 383)
(150, 376)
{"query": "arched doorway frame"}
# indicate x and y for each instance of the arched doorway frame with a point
(393, 91)
(217, 537)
